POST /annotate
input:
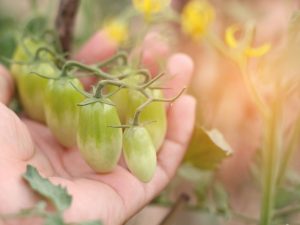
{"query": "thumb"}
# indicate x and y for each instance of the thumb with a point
(6, 85)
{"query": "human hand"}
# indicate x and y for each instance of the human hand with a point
(113, 197)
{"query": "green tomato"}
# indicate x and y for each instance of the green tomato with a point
(61, 109)
(24, 53)
(153, 116)
(121, 98)
(99, 144)
(139, 153)
(32, 87)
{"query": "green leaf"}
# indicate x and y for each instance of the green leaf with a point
(221, 198)
(7, 46)
(91, 223)
(207, 149)
(55, 193)
(38, 210)
(36, 25)
(54, 219)
(195, 175)
(201, 180)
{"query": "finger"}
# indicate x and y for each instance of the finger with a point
(180, 69)
(181, 118)
(12, 129)
(154, 51)
(6, 86)
(97, 48)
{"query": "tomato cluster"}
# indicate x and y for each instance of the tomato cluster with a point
(123, 111)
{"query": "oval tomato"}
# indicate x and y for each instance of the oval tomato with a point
(61, 109)
(153, 116)
(98, 142)
(31, 88)
(139, 153)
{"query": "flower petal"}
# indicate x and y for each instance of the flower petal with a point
(259, 51)
(229, 36)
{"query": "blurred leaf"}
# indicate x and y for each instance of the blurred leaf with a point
(207, 149)
(221, 197)
(36, 25)
(7, 46)
(7, 37)
(201, 179)
(54, 219)
(37, 210)
(285, 197)
(55, 193)
(90, 223)
(194, 174)
(7, 23)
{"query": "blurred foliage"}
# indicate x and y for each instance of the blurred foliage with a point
(36, 25)
(207, 195)
(207, 149)
(8, 26)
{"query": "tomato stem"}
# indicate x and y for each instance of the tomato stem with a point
(39, 51)
(65, 23)
(149, 101)
(98, 72)
(271, 160)
(120, 55)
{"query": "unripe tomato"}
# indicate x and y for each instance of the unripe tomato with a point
(31, 88)
(99, 144)
(23, 53)
(61, 109)
(154, 115)
(121, 98)
(139, 153)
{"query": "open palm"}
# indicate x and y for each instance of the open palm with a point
(112, 197)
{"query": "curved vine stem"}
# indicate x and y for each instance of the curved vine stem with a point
(120, 55)
(82, 92)
(98, 72)
(52, 53)
(43, 76)
(149, 101)
(141, 88)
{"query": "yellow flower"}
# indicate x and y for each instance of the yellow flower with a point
(196, 17)
(117, 31)
(150, 7)
(242, 46)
